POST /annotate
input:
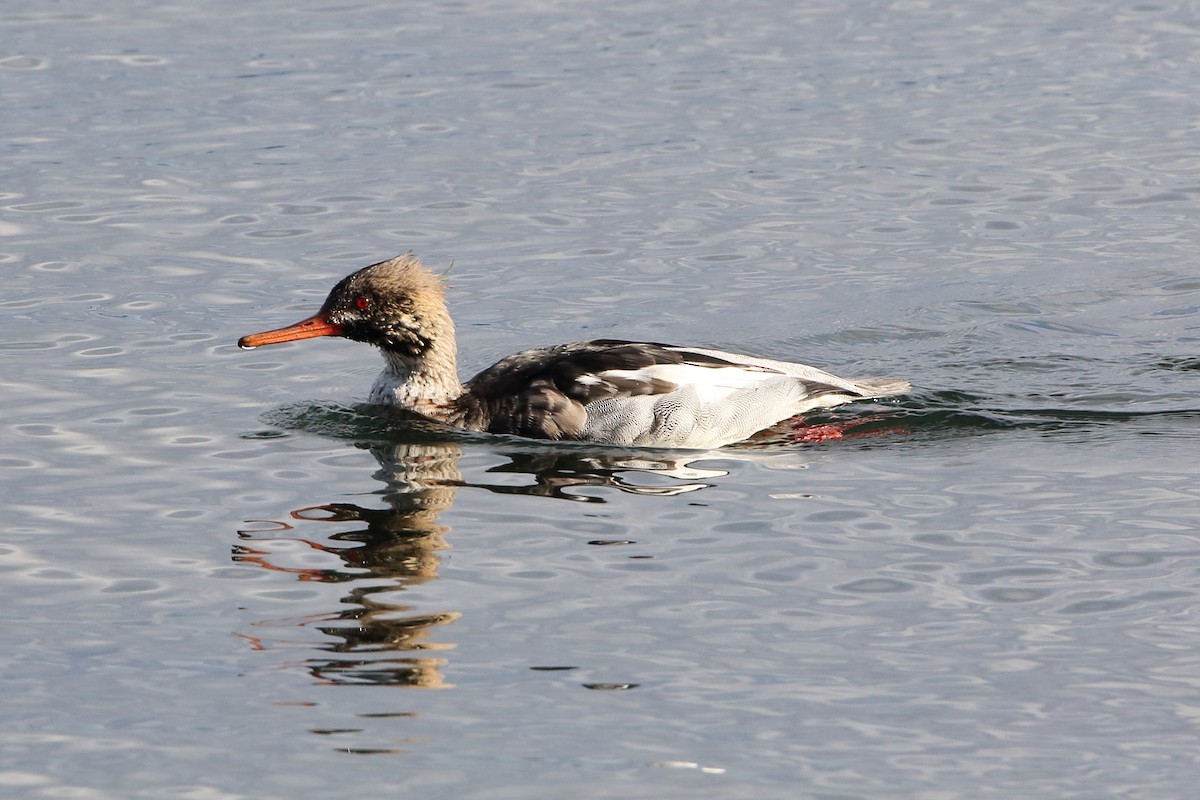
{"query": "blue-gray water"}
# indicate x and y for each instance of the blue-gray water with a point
(223, 579)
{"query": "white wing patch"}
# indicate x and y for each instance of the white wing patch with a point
(711, 384)
(802, 371)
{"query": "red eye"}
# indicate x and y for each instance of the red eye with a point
(362, 303)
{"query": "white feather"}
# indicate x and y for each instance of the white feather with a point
(711, 384)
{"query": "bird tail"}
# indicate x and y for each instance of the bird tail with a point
(882, 387)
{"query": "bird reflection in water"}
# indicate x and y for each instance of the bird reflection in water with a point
(378, 552)
(375, 638)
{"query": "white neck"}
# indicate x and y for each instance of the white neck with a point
(426, 386)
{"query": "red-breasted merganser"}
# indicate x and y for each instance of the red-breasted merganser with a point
(606, 391)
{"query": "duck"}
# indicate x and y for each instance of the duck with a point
(604, 391)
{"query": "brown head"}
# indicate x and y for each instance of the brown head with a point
(396, 305)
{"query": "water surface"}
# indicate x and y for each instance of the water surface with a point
(224, 578)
